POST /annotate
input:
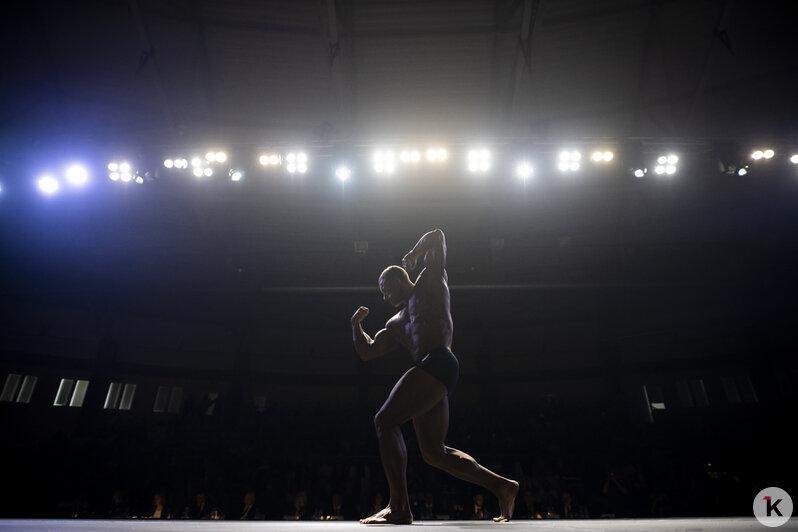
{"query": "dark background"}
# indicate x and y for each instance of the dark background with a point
(577, 301)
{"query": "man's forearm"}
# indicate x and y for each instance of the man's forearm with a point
(426, 241)
(361, 339)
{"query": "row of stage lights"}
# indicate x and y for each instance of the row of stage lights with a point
(384, 162)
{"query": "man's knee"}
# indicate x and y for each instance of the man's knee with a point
(384, 421)
(433, 454)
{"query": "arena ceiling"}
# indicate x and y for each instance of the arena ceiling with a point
(186, 271)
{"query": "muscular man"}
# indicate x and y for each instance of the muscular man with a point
(424, 327)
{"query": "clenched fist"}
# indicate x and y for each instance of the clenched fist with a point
(359, 315)
(409, 261)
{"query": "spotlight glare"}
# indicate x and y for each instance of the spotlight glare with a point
(768, 154)
(124, 167)
(291, 157)
(113, 176)
(659, 169)
(139, 180)
(523, 170)
(574, 166)
(608, 155)
(301, 158)
(125, 177)
(48, 184)
(597, 156)
(563, 166)
(758, 154)
(236, 175)
(274, 159)
(221, 157)
(343, 173)
(639, 173)
(432, 154)
(210, 156)
(662, 159)
(575, 156)
(208, 172)
(405, 156)
(742, 171)
(77, 175)
(794, 159)
(414, 156)
(197, 172)
(113, 167)
(479, 160)
(670, 169)
(169, 163)
(263, 160)
(301, 168)
(672, 159)
(442, 154)
(196, 162)
(291, 168)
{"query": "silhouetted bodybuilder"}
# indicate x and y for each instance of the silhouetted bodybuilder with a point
(424, 327)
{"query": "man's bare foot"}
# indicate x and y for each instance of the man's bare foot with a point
(506, 501)
(389, 516)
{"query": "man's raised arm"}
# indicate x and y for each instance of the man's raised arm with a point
(432, 247)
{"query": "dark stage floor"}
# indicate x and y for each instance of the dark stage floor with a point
(593, 525)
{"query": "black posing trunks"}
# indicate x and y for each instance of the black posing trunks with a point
(443, 365)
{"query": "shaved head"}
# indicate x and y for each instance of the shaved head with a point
(394, 273)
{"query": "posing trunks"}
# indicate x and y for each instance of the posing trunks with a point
(443, 365)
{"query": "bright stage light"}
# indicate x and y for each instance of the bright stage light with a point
(742, 171)
(220, 157)
(768, 154)
(274, 159)
(77, 175)
(523, 170)
(601, 156)
(113, 167)
(48, 184)
(640, 172)
(124, 167)
(794, 159)
(384, 162)
(139, 180)
(343, 173)
(113, 176)
(236, 175)
(125, 177)
(208, 172)
(479, 160)
(196, 162)
(197, 172)
(569, 161)
(666, 164)
(169, 163)
(297, 162)
(410, 156)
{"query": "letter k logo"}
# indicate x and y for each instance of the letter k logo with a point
(772, 507)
